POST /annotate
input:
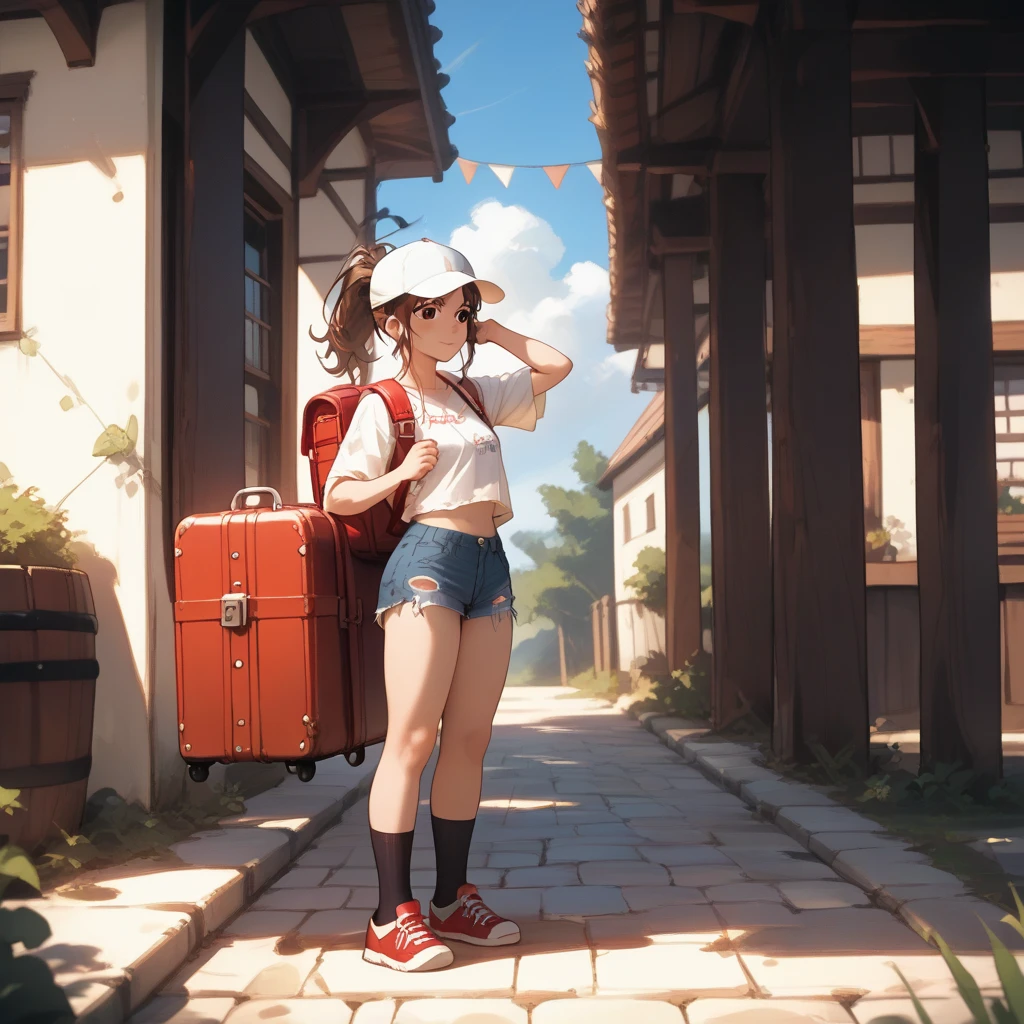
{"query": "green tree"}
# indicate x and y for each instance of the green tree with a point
(574, 563)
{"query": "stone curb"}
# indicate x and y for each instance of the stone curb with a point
(231, 866)
(857, 848)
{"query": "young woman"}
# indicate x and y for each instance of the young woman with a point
(446, 602)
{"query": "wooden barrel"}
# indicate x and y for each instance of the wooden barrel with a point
(48, 673)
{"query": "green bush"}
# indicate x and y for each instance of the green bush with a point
(685, 692)
(28, 992)
(31, 533)
(649, 584)
(1010, 504)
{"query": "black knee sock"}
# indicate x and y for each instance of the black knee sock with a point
(451, 850)
(392, 852)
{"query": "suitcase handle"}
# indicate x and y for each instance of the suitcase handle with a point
(278, 503)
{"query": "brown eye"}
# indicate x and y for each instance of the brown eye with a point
(462, 316)
(428, 312)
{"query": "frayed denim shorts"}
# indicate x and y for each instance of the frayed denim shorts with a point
(456, 570)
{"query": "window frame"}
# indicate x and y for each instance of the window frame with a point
(627, 531)
(1006, 367)
(651, 514)
(260, 206)
(14, 89)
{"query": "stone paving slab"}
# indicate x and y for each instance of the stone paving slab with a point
(606, 1011)
(760, 1011)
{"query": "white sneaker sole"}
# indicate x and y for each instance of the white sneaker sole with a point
(503, 940)
(431, 962)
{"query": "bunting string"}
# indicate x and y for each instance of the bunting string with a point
(556, 172)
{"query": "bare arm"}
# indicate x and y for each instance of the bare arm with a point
(549, 366)
(347, 496)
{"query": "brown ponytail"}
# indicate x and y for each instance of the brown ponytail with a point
(353, 322)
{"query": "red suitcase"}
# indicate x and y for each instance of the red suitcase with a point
(270, 615)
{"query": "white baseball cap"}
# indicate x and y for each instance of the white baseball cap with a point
(428, 270)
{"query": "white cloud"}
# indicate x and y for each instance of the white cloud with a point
(520, 252)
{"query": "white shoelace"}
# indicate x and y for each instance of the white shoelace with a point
(412, 931)
(478, 911)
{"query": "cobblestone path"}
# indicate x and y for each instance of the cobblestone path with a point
(645, 893)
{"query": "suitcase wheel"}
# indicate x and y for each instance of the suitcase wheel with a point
(305, 770)
(356, 757)
(290, 769)
(198, 772)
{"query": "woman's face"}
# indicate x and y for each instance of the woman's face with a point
(438, 327)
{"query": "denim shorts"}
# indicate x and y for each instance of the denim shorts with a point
(456, 570)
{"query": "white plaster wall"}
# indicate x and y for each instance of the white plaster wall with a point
(899, 496)
(639, 631)
(262, 85)
(257, 148)
(85, 295)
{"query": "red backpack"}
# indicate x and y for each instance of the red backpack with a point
(326, 420)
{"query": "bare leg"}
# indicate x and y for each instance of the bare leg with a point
(476, 686)
(420, 653)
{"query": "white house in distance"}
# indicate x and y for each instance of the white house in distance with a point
(883, 195)
(636, 476)
(179, 183)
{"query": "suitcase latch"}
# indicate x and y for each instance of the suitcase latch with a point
(233, 610)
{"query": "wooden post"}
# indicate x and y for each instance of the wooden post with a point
(561, 656)
(741, 569)
(210, 402)
(957, 560)
(607, 633)
(818, 513)
(682, 467)
(595, 629)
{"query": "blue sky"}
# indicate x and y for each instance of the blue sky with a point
(521, 95)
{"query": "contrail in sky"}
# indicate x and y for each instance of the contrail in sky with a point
(487, 106)
(458, 61)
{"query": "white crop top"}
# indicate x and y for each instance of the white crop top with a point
(469, 465)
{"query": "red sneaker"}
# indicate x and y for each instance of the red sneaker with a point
(406, 944)
(469, 919)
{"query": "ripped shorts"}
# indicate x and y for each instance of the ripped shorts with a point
(460, 571)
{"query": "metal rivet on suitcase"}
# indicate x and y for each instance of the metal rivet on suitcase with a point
(234, 554)
(181, 727)
(238, 664)
(305, 719)
(302, 745)
(241, 721)
(177, 552)
(302, 549)
(188, 746)
(238, 750)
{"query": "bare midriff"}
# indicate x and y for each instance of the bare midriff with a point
(477, 519)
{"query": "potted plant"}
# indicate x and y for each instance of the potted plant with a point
(47, 663)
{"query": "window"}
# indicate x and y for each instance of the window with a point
(879, 158)
(262, 323)
(1009, 409)
(13, 90)
(627, 533)
(649, 505)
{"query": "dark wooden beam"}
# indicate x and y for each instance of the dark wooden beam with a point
(339, 205)
(682, 468)
(694, 157)
(937, 51)
(323, 120)
(731, 10)
(957, 561)
(211, 35)
(210, 416)
(267, 132)
(74, 24)
(817, 498)
(740, 530)
(915, 14)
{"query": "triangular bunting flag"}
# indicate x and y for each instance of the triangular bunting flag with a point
(468, 168)
(503, 171)
(556, 173)
(595, 169)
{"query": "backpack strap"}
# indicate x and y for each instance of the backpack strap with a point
(396, 400)
(469, 391)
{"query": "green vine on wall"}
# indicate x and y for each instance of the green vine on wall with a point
(114, 441)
